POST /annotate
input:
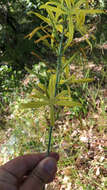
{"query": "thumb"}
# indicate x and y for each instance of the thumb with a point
(43, 173)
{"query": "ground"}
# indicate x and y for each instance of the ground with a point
(80, 141)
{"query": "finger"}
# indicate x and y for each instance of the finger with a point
(7, 181)
(21, 165)
(42, 174)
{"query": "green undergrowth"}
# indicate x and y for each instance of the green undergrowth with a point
(79, 133)
(78, 136)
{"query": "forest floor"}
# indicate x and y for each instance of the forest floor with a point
(80, 141)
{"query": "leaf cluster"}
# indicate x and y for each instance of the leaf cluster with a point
(63, 16)
(42, 96)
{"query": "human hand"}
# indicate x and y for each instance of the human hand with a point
(29, 172)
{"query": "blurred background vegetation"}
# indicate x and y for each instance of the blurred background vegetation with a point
(80, 131)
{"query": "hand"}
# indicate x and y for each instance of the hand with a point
(29, 172)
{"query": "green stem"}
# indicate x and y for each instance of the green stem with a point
(56, 86)
(49, 143)
(59, 63)
(57, 80)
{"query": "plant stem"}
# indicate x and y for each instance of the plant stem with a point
(59, 62)
(57, 80)
(49, 143)
(56, 86)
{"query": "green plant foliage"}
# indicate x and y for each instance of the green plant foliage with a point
(74, 106)
(46, 97)
(73, 13)
(63, 19)
(14, 25)
(73, 79)
(9, 79)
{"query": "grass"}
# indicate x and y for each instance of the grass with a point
(79, 135)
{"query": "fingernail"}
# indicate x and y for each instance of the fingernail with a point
(50, 166)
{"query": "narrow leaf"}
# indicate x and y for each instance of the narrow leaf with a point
(34, 104)
(90, 44)
(81, 19)
(40, 16)
(92, 11)
(51, 87)
(67, 98)
(68, 3)
(70, 60)
(68, 103)
(38, 56)
(42, 38)
(70, 33)
(67, 72)
(45, 41)
(70, 80)
(88, 11)
(33, 32)
(42, 87)
(56, 3)
(53, 9)
(63, 93)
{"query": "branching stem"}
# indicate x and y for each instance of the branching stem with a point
(57, 80)
(56, 86)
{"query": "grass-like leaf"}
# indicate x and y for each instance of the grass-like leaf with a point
(47, 20)
(42, 38)
(67, 103)
(51, 87)
(71, 80)
(61, 94)
(33, 32)
(34, 104)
